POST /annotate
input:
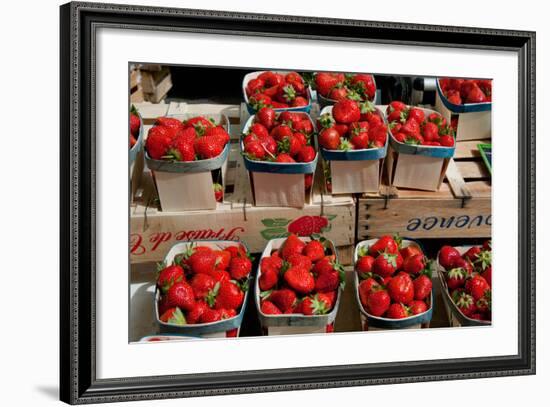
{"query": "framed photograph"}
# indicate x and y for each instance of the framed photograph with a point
(298, 197)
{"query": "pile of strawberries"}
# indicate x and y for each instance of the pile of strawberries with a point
(299, 278)
(460, 91)
(395, 282)
(203, 285)
(340, 86)
(410, 125)
(277, 90)
(352, 126)
(135, 125)
(194, 139)
(468, 278)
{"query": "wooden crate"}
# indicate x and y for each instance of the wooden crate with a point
(136, 91)
(153, 232)
(461, 208)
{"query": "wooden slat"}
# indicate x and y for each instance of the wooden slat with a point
(472, 169)
(467, 149)
(456, 182)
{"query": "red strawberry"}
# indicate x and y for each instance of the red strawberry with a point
(422, 287)
(455, 278)
(475, 95)
(202, 261)
(308, 225)
(223, 257)
(447, 141)
(254, 150)
(134, 124)
(259, 130)
(378, 302)
(200, 123)
(169, 122)
(366, 287)
(410, 250)
(314, 250)
(324, 265)
(273, 262)
(465, 303)
(418, 307)
(329, 139)
(303, 126)
(159, 140)
(338, 93)
(299, 101)
(325, 81)
(284, 299)
(306, 154)
(281, 131)
(472, 253)
(364, 265)
(360, 141)
(464, 264)
(173, 316)
(397, 311)
(266, 116)
(267, 307)
(181, 149)
(299, 260)
(168, 276)
(486, 274)
(181, 295)
(365, 83)
(218, 192)
(346, 111)
(240, 267)
(208, 147)
(384, 244)
(211, 315)
(315, 305)
(414, 264)
(430, 131)
(201, 284)
(401, 288)
(259, 100)
(416, 114)
(284, 158)
(447, 256)
(268, 279)
(396, 105)
(220, 275)
(194, 315)
(476, 286)
(228, 313)
(385, 264)
(329, 281)
(228, 295)
(254, 85)
(290, 144)
(292, 245)
(300, 280)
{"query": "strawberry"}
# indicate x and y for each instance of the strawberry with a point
(325, 81)
(455, 278)
(240, 267)
(346, 111)
(202, 261)
(227, 295)
(220, 275)
(180, 295)
(285, 299)
(365, 84)
(267, 307)
(159, 140)
(223, 257)
(168, 276)
(416, 114)
(266, 116)
(422, 287)
(329, 281)
(254, 85)
(378, 302)
(201, 284)
(208, 147)
(180, 150)
(430, 131)
(447, 141)
(194, 315)
(366, 287)
(305, 154)
(271, 78)
(173, 316)
(211, 315)
(364, 265)
(338, 93)
(134, 124)
(329, 139)
(396, 105)
(465, 303)
(292, 245)
(315, 250)
(281, 131)
(384, 244)
(324, 265)
(414, 264)
(284, 158)
(401, 288)
(360, 140)
(475, 95)
(476, 286)
(464, 264)
(447, 256)
(268, 279)
(303, 126)
(315, 305)
(199, 123)
(472, 253)
(417, 307)
(290, 145)
(300, 280)
(308, 181)
(308, 225)
(259, 130)
(397, 311)
(299, 101)
(385, 264)
(228, 313)
(169, 122)
(486, 274)
(254, 150)
(299, 260)
(273, 262)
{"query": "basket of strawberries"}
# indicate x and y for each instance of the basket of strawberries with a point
(183, 151)
(280, 90)
(332, 87)
(298, 285)
(136, 133)
(202, 288)
(422, 143)
(280, 153)
(466, 104)
(465, 274)
(393, 284)
(353, 142)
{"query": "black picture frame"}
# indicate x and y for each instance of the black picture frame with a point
(78, 382)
